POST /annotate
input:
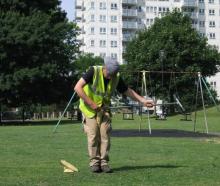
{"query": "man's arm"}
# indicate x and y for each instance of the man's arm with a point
(135, 96)
(79, 90)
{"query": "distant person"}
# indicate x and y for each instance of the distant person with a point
(95, 89)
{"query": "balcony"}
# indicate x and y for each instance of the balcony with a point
(190, 3)
(78, 4)
(127, 37)
(78, 14)
(129, 13)
(129, 25)
(141, 26)
(191, 14)
(130, 2)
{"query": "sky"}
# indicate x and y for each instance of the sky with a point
(68, 6)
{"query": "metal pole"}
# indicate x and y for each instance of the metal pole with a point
(148, 114)
(54, 130)
(140, 108)
(195, 108)
(210, 94)
(203, 104)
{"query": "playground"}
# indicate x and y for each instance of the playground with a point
(172, 155)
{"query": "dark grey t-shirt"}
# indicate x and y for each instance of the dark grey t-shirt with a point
(88, 77)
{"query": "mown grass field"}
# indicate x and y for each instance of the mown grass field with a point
(172, 155)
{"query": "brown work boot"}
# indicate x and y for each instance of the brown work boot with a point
(106, 169)
(95, 168)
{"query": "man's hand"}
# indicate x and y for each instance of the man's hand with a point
(94, 106)
(148, 103)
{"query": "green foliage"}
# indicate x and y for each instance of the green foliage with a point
(37, 46)
(84, 61)
(171, 44)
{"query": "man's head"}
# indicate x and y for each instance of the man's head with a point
(111, 67)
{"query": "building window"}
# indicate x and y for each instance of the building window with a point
(102, 30)
(113, 31)
(202, 23)
(113, 44)
(194, 21)
(114, 56)
(213, 84)
(102, 18)
(139, 9)
(139, 21)
(211, 23)
(212, 35)
(92, 30)
(92, 5)
(114, 6)
(92, 43)
(151, 9)
(113, 19)
(102, 6)
(163, 9)
(202, 34)
(92, 18)
(201, 1)
(149, 21)
(211, 12)
(102, 55)
(201, 11)
(102, 43)
(147, 9)
(211, 1)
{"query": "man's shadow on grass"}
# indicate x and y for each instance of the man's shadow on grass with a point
(127, 168)
(161, 133)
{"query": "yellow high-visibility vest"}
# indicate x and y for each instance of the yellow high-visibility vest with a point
(97, 91)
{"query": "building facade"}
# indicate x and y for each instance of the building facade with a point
(107, 25)
(214, 82)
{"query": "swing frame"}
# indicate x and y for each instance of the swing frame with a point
(200, 81)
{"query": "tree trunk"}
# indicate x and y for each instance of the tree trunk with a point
(0, 113)
(23, 114)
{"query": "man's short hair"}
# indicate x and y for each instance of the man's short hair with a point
(111, 65)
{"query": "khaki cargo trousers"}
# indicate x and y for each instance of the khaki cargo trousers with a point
(98, 136)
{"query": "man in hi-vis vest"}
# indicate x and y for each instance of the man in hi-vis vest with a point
(95, 89)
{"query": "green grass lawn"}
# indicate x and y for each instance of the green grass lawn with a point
(172, 155)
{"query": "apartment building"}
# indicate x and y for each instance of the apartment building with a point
(107, 25)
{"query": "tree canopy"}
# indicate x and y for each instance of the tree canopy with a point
(84, 61)
(37, 48)
(171, 44)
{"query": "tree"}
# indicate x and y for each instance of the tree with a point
(37, 47)
(171, 44)
(84, 61)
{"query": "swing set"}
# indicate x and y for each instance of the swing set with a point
(161, 105)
